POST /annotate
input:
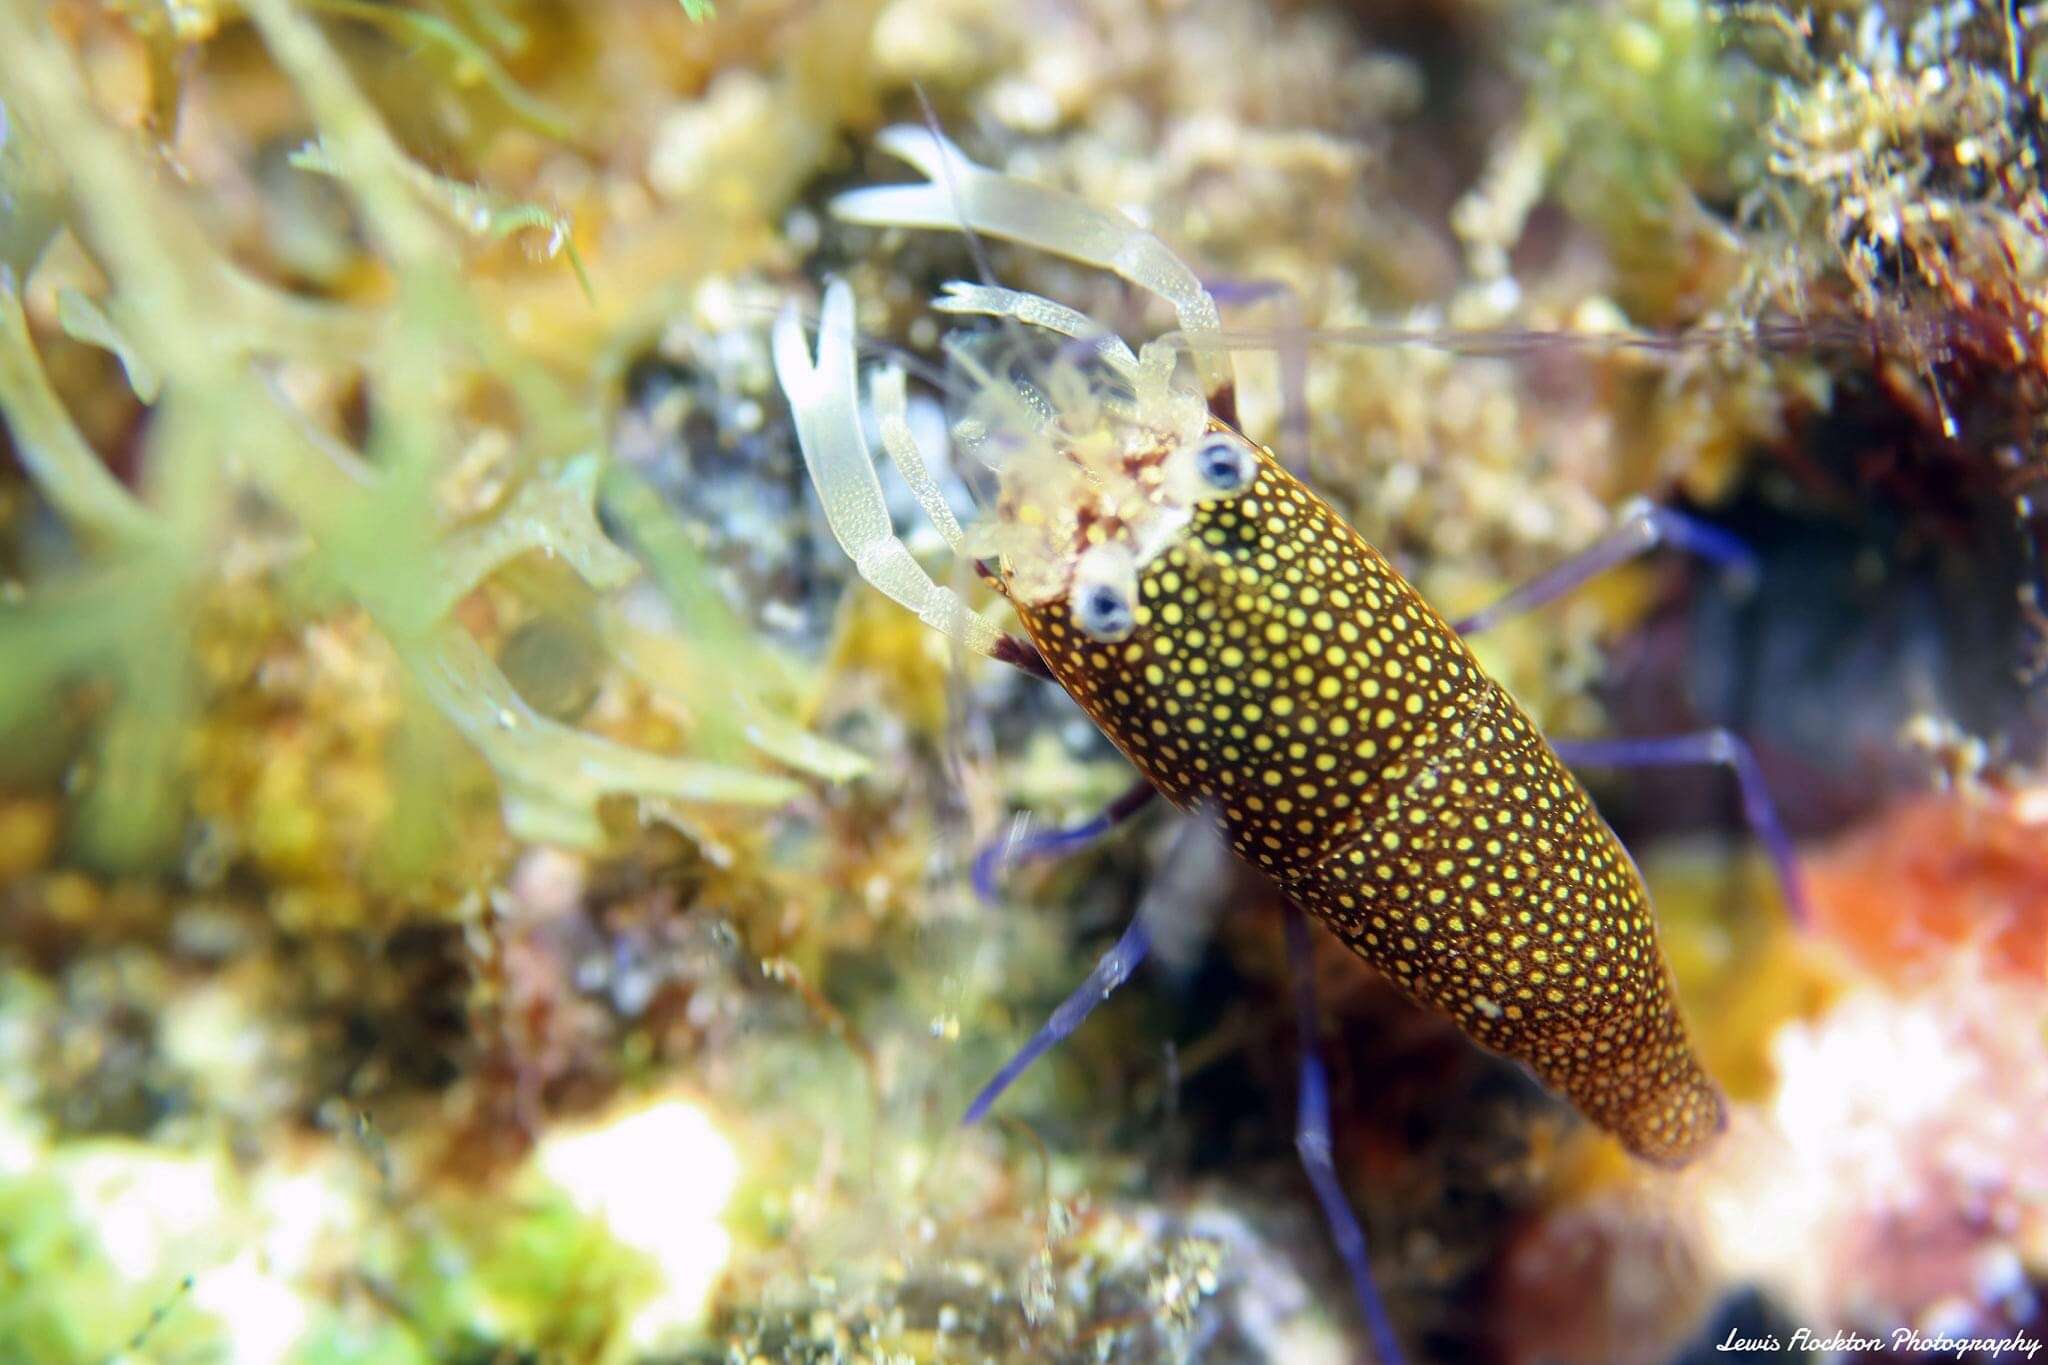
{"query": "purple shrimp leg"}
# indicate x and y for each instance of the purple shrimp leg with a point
(1724, 749)
(1000, 853)
(1643, 527)
(1115, 968)
(1312, 1141)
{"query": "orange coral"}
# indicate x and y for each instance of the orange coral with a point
(1937, 873)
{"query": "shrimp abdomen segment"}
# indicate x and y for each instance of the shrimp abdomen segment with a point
(1488, 888)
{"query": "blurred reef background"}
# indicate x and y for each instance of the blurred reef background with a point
(481, 882)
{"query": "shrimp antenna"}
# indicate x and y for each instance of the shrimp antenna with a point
(975, 247)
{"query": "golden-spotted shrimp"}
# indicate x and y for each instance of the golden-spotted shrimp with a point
(1262, 665)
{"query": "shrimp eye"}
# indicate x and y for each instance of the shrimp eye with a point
(1225, 462)
(1103, 613)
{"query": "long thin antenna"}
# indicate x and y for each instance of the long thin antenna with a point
(1013, 331)
(986, 271)
(974, 244)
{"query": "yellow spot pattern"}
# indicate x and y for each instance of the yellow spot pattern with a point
(1285, 679)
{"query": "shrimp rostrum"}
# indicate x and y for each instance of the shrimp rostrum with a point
(1258, 662)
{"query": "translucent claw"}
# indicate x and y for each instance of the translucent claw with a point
(963, 196)
(824, 400)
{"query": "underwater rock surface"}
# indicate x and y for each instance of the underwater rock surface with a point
(483, 879)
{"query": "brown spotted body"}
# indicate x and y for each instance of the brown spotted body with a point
(1258, 661)
(1283, 678)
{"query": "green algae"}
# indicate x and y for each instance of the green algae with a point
(377, 541)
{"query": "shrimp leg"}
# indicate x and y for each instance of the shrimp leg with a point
(1312, 1141)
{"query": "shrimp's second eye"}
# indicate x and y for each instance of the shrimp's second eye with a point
(1225, 462)
(1104, 613)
